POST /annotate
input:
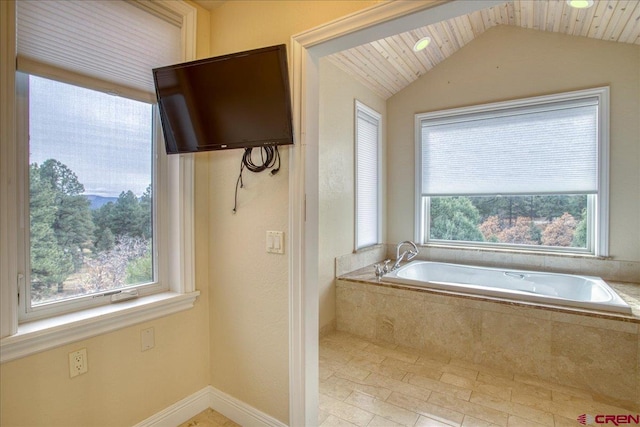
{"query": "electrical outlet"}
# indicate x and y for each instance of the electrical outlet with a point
(78, 362)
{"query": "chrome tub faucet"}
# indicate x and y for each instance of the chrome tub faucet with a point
(407, 255)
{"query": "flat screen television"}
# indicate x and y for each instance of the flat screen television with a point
(238, 100)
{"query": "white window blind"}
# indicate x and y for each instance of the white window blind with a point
(112, 42)
(547, 148)
(367, 176)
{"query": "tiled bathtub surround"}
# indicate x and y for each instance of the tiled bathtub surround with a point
(594, 353)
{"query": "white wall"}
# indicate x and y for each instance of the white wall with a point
(338, 92)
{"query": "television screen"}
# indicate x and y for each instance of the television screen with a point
(233, 101)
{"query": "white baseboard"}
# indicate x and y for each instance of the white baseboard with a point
(210, 397)
(181, 411)
(240, 412)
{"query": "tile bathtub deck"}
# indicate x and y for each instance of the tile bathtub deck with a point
(373, 384)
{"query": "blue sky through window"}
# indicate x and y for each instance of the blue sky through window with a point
(105, 139)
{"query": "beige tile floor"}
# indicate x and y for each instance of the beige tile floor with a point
(381, 385)
(373, 384)
(209, 418)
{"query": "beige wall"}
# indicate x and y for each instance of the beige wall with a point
(123, 385)
(507, 63)
(338, 92)
(248, 297)
(250, 24)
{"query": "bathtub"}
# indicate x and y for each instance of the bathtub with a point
(586, 292)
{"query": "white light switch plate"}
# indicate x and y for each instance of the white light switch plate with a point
(275, 242)
(147, 339)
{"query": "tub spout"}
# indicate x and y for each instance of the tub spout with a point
(407, 255)
(399, 259)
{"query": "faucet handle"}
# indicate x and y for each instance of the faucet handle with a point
(385, 267)
(378, 269)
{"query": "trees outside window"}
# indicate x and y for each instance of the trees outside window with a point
(78, 249)
(554, 221)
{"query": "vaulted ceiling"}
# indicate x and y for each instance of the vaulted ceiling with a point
(387, 66)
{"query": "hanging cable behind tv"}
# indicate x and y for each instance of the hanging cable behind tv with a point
(269, 158)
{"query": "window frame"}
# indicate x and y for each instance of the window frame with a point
(598, 204)
(361, 107)
(21, 339)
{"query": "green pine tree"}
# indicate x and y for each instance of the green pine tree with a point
(50, 264)
(126, 216)
(455, 218)
(73, 224)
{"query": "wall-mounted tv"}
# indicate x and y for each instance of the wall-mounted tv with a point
(238, 100)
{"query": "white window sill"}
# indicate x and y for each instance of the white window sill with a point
(41, 335)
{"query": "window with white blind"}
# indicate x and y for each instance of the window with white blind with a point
(529, 174)
(367, 176)
(101, 198)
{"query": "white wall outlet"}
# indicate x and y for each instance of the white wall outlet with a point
(78, 362)
(275, 242)
(147, 339)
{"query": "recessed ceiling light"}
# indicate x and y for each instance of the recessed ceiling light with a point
(421, 44)
(580, 4)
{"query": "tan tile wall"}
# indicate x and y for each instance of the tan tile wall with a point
(599, 355)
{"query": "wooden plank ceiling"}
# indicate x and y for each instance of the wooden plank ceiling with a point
(387, 66)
